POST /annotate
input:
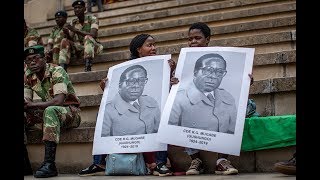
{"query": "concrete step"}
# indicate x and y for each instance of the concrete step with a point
(255, 39)
(166, 39)
(121, 9)
(261, 59)
(74, 153)
(132, 25)
(248, 176)
(261, 90)
(175, 13)
(275, 63)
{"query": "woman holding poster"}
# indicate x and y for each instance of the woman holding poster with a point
(142, 45)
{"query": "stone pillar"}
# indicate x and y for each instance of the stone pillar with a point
(36, 11)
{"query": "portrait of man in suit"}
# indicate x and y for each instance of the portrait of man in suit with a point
(203, 104)
(130, 112)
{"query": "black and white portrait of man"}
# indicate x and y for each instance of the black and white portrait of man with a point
(131, 106)
(131, 112)
(203, 98)
(207, 107)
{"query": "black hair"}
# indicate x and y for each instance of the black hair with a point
(204, 28)
(136, 43)
(124, 73)
(199, 63)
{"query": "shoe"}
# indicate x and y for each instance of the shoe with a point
(195, 167)
(47, 169)
(92, 170)
(88, 64)
(162, 170)
(224, 167)
(286, 167)
(64, 66)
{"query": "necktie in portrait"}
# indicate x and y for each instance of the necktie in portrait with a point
(211, 98)
(136, 105)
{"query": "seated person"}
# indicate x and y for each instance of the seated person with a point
(58, 42)
(31, 36)
(84, 32)
(142, 45)
(58, 108)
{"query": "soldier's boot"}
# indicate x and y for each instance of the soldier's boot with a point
(88, 64)
(27, 165)
(48, 167)
(64, 66)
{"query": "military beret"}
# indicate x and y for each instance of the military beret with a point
(61, 13)
(78, 2)
(37, 49)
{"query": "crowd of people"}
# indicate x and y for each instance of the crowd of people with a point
(46, 75)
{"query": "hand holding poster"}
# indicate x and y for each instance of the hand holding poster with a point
(131, 106)
(206, 109)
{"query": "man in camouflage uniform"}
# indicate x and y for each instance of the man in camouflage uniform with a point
(31, 36)
(84, 30)
(59, 107)
(58, 40)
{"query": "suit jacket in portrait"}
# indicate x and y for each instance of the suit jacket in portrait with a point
(193, 109)
(121, 118)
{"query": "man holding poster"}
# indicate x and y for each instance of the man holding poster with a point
(130, 112)
(207, 108)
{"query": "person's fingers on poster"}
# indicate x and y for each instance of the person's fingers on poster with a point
(174, 80)
(103, 83)
(251, 79)
(172, 64)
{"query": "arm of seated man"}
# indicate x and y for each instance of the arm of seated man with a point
(56, 101)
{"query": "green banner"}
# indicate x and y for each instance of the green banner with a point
(269, 132)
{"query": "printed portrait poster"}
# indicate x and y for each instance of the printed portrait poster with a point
(206, 109)
(131, 106)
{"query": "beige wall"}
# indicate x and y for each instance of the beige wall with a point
(36, 11)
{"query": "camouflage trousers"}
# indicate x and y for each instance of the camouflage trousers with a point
(61, 52)
(53, 119)
(88, 49)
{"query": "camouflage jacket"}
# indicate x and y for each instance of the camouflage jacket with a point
(55, 81)
(31, 37)
(56, 36)
(90, 21)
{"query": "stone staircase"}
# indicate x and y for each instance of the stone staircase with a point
(269, 26)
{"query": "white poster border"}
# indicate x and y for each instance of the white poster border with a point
(203, 139)
(131, 143)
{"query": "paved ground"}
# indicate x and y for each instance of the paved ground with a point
(247, 176)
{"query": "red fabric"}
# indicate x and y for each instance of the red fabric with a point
(149, 157)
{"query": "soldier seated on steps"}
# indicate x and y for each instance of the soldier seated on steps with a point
(84, 32)
(31, 36)
(59, 106)
(58, 48)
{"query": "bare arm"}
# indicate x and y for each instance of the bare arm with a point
(173, 65)
(56, 101)
(102, 83)
(93, 32)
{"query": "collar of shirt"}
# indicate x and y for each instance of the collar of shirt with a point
(131, 102)
(212, 93)
(220, 95)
